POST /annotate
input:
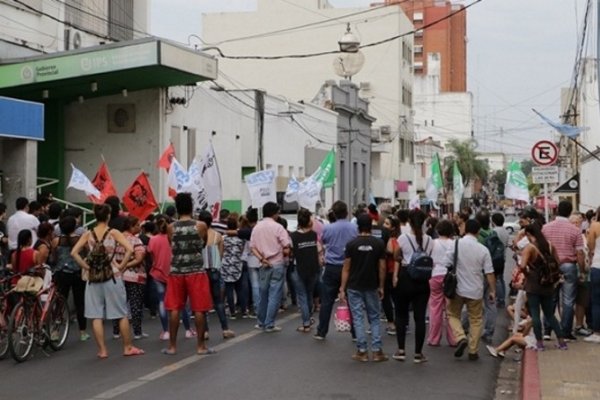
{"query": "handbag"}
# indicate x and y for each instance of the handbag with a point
(450, 280)
(517, 278)
(342, 318)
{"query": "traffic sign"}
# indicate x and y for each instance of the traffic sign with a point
(544, 153)
(544, 174)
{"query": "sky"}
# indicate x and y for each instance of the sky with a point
(520, 54)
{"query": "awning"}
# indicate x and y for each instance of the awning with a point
(105, 70)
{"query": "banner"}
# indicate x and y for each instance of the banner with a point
(178, 178)
(291, 193)
(516, 186)
(104, 183)
(211, 181)
(309, 193)
(261, 186)
(167, 157)
(458, 187)
(325, 174)
(434, 182)
(81, 182)
(139, 199)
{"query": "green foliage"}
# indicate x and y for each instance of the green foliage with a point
(534, 188)
(469, 163)
(499, 178)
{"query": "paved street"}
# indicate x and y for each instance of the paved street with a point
(254, 365)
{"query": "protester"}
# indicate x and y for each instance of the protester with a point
(498, 227)
(23, 258)
(392, 226)
(106, 300)
(20, 220)
(231, 271)
(472, 258)
(582, 299)
(593, 240)
(336, 236)
(43, 246)
(363, 277)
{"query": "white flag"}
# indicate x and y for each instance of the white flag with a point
(179, 180)
(81, 182)
(309, 193)
(211, 181)
(458, 187)
(261, 186)
(291, 193)
(516, 186)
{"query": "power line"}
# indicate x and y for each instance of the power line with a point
(323, 53)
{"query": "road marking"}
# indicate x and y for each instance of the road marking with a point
(168, 369)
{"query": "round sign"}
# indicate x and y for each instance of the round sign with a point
(544, 152)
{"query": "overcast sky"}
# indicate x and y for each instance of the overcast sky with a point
(520, 53)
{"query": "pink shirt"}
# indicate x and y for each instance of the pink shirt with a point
(565, 237)
(270, 238)
(160, 249)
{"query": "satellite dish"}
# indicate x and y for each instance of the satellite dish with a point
(347, 65)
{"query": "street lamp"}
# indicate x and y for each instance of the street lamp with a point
(351, 60)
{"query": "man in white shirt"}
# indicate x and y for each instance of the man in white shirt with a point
(472, 259)
(20, 220)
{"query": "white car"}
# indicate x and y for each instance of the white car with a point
(512, 226)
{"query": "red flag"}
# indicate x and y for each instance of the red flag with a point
(103, 182)
(167, 157)
(139, 199)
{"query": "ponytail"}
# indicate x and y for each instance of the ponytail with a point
(416, 219)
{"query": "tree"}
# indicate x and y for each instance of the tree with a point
(469, 163)
(499, 178)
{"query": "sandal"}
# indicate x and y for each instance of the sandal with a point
(134, 351)
(207, 351)
(168, 352)
(304, 329)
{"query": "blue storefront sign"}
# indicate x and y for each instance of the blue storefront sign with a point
(21, 119)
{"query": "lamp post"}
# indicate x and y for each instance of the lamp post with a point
(346, 64)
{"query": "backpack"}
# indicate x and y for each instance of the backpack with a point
(62, 255)
(549, 273)
(420, 266)
(99, 261)
(496, 248)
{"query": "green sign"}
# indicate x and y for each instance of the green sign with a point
(80, 64)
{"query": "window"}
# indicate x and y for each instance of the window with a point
(191, 144)
(419, 33)
(291, 172)
(418, 17)
(402, 149)
(419, 49)
(269, 166)
(280, 170)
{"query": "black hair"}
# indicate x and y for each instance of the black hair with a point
(416, 219)
(270, 209)
(472, 226)
(232, 223)
(205, 217)
(44, 229)
(282, 221)
(402, 215)
(162, 224)
(445, 228)
(589, 214)
(340, 210)
(67, 225)
(498, 219)
(483, 217)
(34, 206)
(541, 242)
(373, 208)
(184, 204)
(73, 212)
(364, 222)
(224, 214)
(304, 218)
(360, 209)
(130, 222)
(102, 212)
(252, 215)
(115, 205)
(2, 208)
(54, 210)
(394, 222)
(21, 203)
(23, 239)
(565, 208)
(331, 216)
(170, 211)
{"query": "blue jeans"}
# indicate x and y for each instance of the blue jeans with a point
(240, 288)
(500, 291)
(369, 301)
(217, 292)
(595, 295)
(271, 287)
(534, 302)
(304, 294)
(254, 286)
(568, 292)
(159, 290)
(330, 287)
(490, 312)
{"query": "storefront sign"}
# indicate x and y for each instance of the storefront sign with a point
(21, 119)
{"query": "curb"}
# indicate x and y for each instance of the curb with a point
(530, 376)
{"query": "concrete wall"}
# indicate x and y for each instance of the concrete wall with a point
(18, 163)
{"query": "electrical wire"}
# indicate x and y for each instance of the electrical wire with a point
(323, 53)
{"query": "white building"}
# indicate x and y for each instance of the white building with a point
(425, 150)
(386, 78)
(496, 160)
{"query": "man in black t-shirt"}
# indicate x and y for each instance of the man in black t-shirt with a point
(363, 276)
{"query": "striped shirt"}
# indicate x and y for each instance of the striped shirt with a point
(187, 248)
(565, 237)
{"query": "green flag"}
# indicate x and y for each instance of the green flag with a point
(434, 182)
(325, 174)
(516, 183)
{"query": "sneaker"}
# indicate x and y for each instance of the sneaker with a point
(84, 337)
(232, 317)
(273, 329)
(492, 351)
(142, 335)
(164, 336)
(547, 336)
(473, 356)
(228, 334)
(420, 359)
(379, 356)
(318, 336)
(245, 316)
(190, 333)
(258, 327)
(581, 331)
(570, 338)
(460, 348)
(540, 346)
(400, 355)
(594, 338)
(116, 336)
(391, 331)
(361, 356)
(562, 346)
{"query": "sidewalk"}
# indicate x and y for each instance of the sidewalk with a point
(564, 375)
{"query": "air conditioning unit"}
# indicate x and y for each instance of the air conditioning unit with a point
(365, 86)
(72, 39)
(375, 134)
(386, 131)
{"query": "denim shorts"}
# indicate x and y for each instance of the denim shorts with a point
(106, 300)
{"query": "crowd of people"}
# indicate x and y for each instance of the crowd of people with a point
(383, 262)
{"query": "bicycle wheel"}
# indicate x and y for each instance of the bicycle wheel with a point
(3, 335)
(57, 323)
(21, 333)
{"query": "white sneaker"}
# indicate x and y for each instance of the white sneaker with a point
(492, 351)
(594, 338)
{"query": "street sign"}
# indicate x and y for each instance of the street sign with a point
(544, 153)
(570, 186)
(544, 174)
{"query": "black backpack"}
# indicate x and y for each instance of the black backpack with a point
(496, 248)
(420, 265)
(99, 261)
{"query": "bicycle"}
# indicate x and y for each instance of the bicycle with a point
(41, 316)
(4, 315)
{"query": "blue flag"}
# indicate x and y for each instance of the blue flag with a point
(567, 130)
